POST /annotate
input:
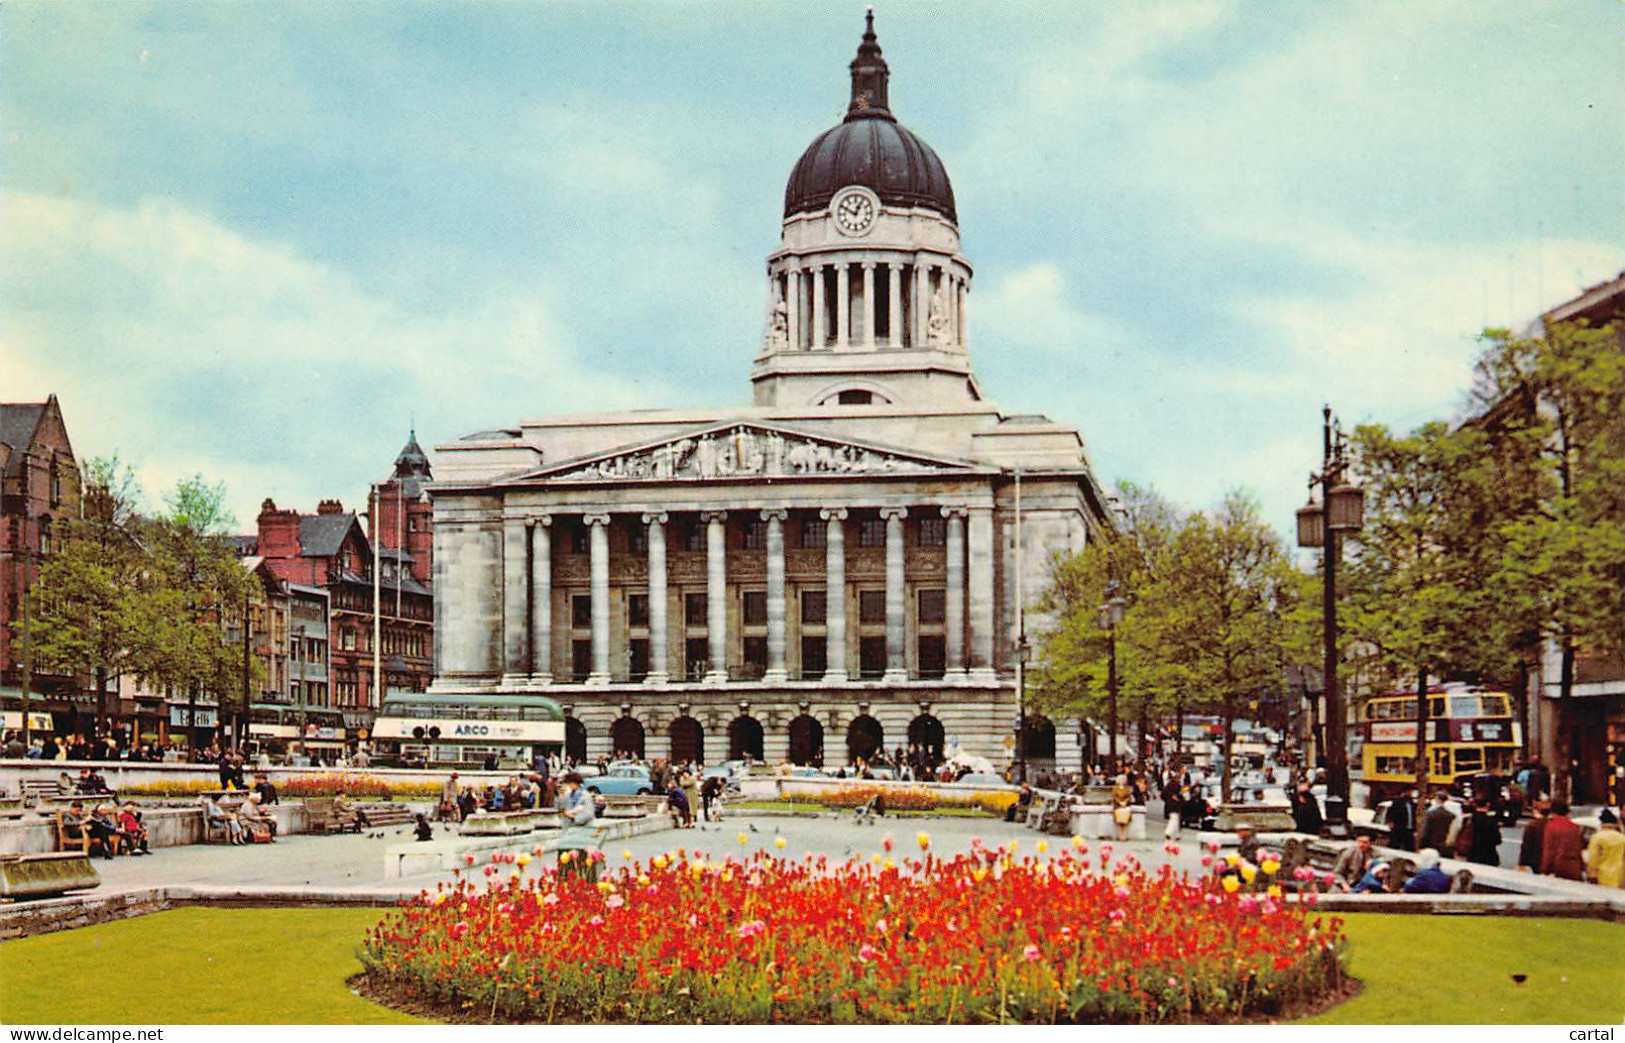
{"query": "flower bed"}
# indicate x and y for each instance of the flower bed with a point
(907, 798)
(364, 787)
(982, 937)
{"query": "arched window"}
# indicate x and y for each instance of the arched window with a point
(626, 737)
(864, 739)
(687, 741)
(806, 741)
(1040, 732)
(745, 739)
(925, 735)
(575, 739)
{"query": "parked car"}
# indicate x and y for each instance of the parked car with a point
(622, 780)
(987, 780)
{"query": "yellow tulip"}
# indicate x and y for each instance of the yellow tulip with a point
(660, 861)
(1121, 879)
(1249, 873)
(565, 858)
(978, 875)
(1275, 891)
(779, 843)
(643, 878)
(743, 839)
(1269, 866)
(626, 853)
(523, 860)
(1043, 846)
(1077, 842)
(1232, 858)
(890, 864)
(1231, 884)
(923, 839)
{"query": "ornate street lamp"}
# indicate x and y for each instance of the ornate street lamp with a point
(1342, 510)
(1110, 617)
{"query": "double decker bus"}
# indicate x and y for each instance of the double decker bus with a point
(465, 731)
(1471, 731)
(277, 728)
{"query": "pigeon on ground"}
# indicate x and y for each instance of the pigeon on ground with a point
(753, 828)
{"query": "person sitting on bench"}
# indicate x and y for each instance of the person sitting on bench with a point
(215, 817)
(134, 830)
(255, 819)
(104, 831)
(73, 824)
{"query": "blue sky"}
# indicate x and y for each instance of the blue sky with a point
(253, 241)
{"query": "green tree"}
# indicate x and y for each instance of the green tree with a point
(93, 603)
(1554, 406)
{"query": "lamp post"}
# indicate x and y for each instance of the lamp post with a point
(1023, 651)
(1341, 510)
(1111, 615)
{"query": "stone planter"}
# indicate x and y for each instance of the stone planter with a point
(1263, 818)
(499, 823)
(34, 876)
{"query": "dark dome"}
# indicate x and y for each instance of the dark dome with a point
(870, 148)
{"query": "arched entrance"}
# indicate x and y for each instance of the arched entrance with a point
(745, 739)
(1040, 732)
(687, 741)
(626, 737)
(806, 741)
(575, 740)
(925, 739)
(864, 739)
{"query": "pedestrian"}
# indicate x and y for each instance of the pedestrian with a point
(1122, 809)
(1352, 863)
(1561, 846)
(1529, 847)
(1402, 822)
(1485, 841)
(1605, 855)
(1436, 824)
(691, 791)
(682, 812)
(1429, 878)
(1306, 814)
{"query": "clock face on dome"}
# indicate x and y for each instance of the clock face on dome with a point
(854, 211)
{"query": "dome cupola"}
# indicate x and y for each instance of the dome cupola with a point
(870, 148)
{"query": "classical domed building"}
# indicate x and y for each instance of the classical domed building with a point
(828, 572)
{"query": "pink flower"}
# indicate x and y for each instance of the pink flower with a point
(1303, 873)
(1207, 860)
(693, 920)
(1030, 954)
(880, 925)
(1173, 983)
(752, 929)
(614, 901)
(886, 842)
(469, 858)
(550, 899)
(867, 953)
(1213, 847)
(597, 921)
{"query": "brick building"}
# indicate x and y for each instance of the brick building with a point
(39, 489)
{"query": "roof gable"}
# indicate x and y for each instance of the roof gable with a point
(324, 535)
(743, 450)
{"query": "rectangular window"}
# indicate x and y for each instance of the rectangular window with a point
(872, 532)
(581, 611)
(871, 606)
(694, 610)
(814, 657)
(814, 534)
(871, 657)
(755, 608)
(581, 659)
(933, 653)
(637, 610)
(694, 538)
(813, 608)
(640, 658)
(696, 657)
(755, 657)
(933, 606)
(756, 535)
(933, 532)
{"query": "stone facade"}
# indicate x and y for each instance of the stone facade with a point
(832, 570)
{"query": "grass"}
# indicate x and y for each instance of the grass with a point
(288, 966)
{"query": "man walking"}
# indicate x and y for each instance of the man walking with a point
(1561, 850)
(1436, 825)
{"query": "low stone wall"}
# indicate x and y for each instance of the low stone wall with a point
(64, 914)
(166, 827)
(437, 856)
(122, 774)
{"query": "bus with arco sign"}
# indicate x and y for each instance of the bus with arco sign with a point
(1471, 731)
(465, 730)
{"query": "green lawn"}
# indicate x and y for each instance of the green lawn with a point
(200, 966)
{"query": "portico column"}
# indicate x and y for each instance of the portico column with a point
(716, 593)
(980, 538)
(894, 328)
(955, 620)
(834, 594)
(657, 598)
(817, 273)
(922, 302)
(896, 663)
(951, 295)
(868, 306)
(598, 536)
(792, 305)
(843, 305)
(541, 600)
(774, 516)
(964, 308)
(515, 592)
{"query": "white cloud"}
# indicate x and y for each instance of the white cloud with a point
(191, 348)
(1031, 309)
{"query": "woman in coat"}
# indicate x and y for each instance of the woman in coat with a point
(1486, 836)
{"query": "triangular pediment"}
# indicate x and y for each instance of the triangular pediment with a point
(744, 449)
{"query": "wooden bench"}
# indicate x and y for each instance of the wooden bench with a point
(323, 814)
(65, 843)
(386, 814)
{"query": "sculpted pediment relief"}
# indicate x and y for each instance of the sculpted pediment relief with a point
(745, 451)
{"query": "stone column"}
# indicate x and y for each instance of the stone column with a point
(716, 593)
(515, 598)
(922, 302)
(775, 516)
(541, 600)
(658, 674)
(834, 594)
(964, 313)
(894, 329)
(843, 305)
(818, 337)
(952, 297)
(955, 615)
(980, 538)
(598, 535)
(896, 636)
(868, 306)
(792, 305)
